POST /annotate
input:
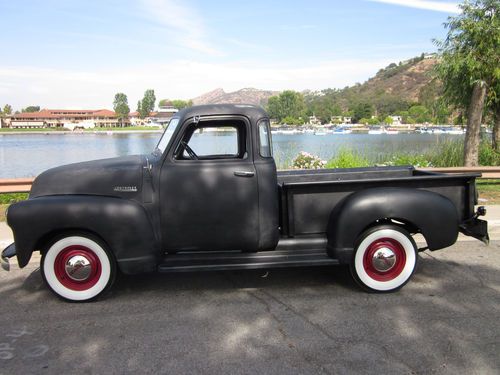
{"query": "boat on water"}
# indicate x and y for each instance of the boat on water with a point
(320, 132)
(455, 131)
(441, 130)
(342, 130)
(391, 131)
(376, 131)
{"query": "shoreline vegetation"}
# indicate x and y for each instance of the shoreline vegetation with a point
(449, 154)
(47, 131)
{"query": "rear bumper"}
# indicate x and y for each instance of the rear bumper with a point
(7, 253)
(475, 227)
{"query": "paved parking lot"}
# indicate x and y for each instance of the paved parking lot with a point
(311, 320)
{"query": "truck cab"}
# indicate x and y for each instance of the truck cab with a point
(217, 182)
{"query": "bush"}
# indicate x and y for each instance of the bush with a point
(419, 161)
(487, 155)
(347, 159)
(304, 160)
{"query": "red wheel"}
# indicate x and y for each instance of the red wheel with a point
(77, 268)
(385, 259)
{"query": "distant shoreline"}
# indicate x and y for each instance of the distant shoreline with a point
(64, 132)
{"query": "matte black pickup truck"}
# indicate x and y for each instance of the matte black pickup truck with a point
(193, 205)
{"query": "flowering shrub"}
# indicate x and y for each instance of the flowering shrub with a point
(305, 160)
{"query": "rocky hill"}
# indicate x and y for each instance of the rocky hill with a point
(246, 96)
(407, 81)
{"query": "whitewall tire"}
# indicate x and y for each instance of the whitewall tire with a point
(78, 268)
(385, 259)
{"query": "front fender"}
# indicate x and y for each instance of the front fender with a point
(123, 224)
(433, 214)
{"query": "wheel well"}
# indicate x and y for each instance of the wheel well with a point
(402, 223)
(48, 239)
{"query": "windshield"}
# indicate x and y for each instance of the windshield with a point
(167, 135)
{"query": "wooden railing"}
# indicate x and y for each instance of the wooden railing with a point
(23, 185)
(486, 172)
(15, 185)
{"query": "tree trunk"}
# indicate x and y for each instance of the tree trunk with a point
(474, 119)
(496, 129)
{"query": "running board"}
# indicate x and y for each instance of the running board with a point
(236, 260)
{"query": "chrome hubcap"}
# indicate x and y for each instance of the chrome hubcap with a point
(383, 259)
(78, 268)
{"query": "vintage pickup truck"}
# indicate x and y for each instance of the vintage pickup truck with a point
(198, 205)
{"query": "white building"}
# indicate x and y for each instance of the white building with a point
(341, 120)
(313, 120)
(396, 120)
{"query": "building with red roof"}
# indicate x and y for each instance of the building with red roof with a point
(55, 118)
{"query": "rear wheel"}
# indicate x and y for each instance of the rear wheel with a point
(385, 259)
(78, 268)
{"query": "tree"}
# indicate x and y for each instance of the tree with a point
(31, 109)
(388, 120)
(120, 106)
(361, 110)
(176, 103)
(420, 114)
(7, 109)
(493, 104)
(469, 65)
(147, 104)
(287, 104)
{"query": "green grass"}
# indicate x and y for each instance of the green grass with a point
(448, 154)
(7, 199)
(419, 161)
(347, 158)
(489, 191)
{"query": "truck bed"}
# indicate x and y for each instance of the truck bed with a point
(308, 196)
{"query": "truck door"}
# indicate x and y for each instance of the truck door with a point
(208, 188)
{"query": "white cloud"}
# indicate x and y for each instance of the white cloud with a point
(22, 86)
(438, 6)
(180, 22)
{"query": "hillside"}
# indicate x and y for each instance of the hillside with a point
(246, 96)
(407, 81)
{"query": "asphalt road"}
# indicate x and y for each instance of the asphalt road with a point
(310, 320)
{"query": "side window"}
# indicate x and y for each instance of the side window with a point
(215, 141)
(265, 146)
(209, 140)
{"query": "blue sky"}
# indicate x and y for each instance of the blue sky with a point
(78, 54)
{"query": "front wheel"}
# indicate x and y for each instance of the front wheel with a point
(78, 268)
(385, 258)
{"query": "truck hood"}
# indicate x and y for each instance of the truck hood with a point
(120, 177)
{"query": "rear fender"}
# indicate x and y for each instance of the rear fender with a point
(123, 224)
(434, 215)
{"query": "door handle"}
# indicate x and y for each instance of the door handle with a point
(243, 174)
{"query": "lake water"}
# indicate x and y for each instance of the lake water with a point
(26, 155)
